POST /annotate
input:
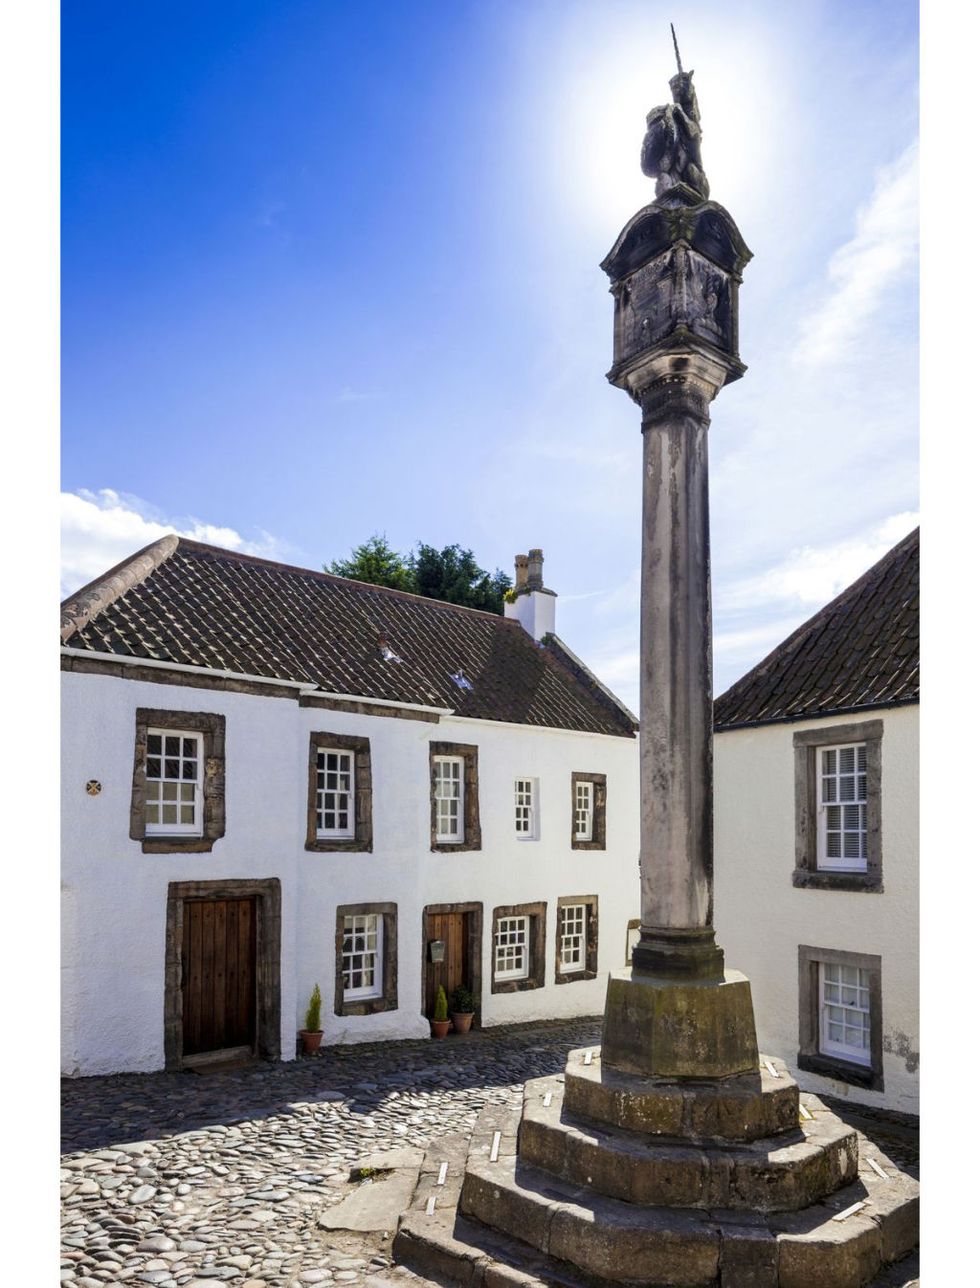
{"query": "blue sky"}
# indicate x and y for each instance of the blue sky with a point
(332, 268)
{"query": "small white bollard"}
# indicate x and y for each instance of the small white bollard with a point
(443, 1169)
(773, 1071)
(495, 1147)
(588, 1057)
(547, 1099)
(430, 1207)
(875, 1167)
(805, 1113)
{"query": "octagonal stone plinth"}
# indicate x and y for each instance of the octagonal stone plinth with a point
(679, 1029)
(744, 1107)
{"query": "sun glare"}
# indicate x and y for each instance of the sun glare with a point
(605, 81)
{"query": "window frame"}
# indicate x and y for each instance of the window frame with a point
(519, 923)
(209, 727)
(597, 841)
(470, 837)
(533, 831)
(458, 797)
(824, 861)
(536, 914)
(361, 840)
(386, 999)
(827, 1045)
(810, 870)
(161, 829)
(589, 967)
(815, 1056)
(364, 993)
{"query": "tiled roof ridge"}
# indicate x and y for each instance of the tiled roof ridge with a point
(335, 579)
(85, 604)
(821, 616)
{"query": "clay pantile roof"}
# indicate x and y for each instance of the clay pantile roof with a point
(860, 651)
(196, 605)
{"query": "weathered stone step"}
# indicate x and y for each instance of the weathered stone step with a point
(746, 1106)
(769, 1175)
(520, 1228)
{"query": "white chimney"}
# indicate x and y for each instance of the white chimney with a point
(533, 605)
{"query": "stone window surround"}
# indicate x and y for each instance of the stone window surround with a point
(537, 938)
(598, 841)
(469, 753)
(810, 1057)
(388, 1000)
(212, 727)
(363, 839)
(591, 902)
(806, 743)
(268, 931)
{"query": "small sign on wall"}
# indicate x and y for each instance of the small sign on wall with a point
(437, 950)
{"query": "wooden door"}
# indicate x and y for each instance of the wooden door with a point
(218, 974)
(453, 929)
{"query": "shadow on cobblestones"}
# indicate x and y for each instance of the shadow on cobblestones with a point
(102, 1111)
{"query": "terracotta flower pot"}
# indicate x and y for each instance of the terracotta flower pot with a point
(462, 1021)
(311, 1040)
(440, 1027)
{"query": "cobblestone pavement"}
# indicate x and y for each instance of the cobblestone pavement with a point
(197, 1180)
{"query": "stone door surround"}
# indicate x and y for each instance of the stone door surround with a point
(268, 929)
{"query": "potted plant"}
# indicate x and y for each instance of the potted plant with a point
(462, 1007)
(312, 1035)
(440, 1022)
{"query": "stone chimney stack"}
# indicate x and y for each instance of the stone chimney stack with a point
(533, 605)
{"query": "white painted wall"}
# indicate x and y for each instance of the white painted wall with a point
(115, 897)
(761, 919)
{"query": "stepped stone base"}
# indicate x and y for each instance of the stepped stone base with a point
(501, 1221)
(769, 1174)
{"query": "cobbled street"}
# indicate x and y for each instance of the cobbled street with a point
(199, 1180)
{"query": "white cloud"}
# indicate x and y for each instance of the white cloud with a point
(881, 252)
(812, 575)
(99, 529)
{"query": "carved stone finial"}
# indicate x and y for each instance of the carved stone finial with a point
(671, 151)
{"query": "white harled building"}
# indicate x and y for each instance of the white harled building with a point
(274, 778)
(816, 755)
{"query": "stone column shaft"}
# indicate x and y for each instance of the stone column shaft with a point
(675, 647)
(676, 934)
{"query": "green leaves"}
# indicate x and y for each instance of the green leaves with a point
(451, 574)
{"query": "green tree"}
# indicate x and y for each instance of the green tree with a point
(377, 563)
(452, 574)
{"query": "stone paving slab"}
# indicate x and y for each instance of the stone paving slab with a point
(186, 1182)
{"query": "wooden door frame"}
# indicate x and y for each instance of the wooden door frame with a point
(268, 932)
(474, 946)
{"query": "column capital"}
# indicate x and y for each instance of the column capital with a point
(676, 381)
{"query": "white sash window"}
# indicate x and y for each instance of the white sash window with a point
(449, 799)
(584, 810)
(845, 1012)
(842, 812)
(334, 793)
(174, 780)
(362, 959)
(526, 808)
(572, 921)
(511, 948)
